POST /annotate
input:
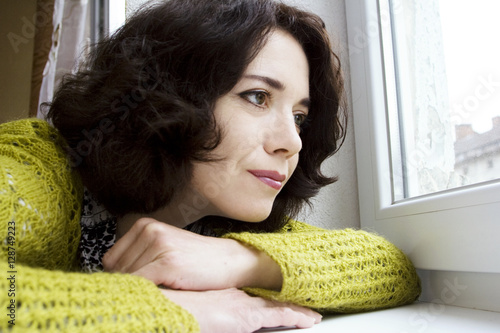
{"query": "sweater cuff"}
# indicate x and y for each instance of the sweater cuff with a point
(336, 270)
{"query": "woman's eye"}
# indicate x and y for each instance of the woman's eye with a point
(256, 97)
(299, 119)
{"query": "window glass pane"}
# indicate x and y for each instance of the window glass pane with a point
(447, 78)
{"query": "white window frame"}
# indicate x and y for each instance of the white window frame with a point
(454, 230)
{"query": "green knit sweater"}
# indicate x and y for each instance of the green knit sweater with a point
(41, 290)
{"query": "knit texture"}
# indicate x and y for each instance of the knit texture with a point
(41, 197)
(38, 192)
(342, 271)
(332, 271)
(56, 301)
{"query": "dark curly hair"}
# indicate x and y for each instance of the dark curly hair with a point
(138, 112)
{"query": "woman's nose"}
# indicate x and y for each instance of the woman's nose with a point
(283, 137)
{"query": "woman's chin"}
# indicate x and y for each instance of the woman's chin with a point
(252, 217)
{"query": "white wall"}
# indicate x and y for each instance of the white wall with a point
(337, 205)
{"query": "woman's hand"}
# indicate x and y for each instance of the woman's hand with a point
(232, 310)
(180, 259)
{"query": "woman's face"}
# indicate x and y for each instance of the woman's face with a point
(260, 119)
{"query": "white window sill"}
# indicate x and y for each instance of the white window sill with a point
(415, 318)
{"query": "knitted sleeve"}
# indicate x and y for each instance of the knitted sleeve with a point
(40, 199)
(341, 271)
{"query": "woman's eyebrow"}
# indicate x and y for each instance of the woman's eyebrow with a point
(273, 83)
(306, 102)
(278, 85)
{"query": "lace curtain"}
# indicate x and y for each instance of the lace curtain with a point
(59, 43)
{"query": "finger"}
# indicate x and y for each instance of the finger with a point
(153, 272)
(159, 274)
(276, 304)
(164, 264)
(113, 259)
(286, 316)
(164, 241)
(311, 313)
(144, 250)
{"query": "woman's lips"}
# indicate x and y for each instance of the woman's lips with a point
(269, 177)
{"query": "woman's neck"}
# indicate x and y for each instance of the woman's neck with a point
(181, 212)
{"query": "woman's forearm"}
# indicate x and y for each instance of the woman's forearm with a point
(254, 268)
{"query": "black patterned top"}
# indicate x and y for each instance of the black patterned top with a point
(98, 228)
(98, 233)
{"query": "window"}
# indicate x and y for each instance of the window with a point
(445, 228)
(447, 101)
(107, 16)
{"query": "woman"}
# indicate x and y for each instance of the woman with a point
(212, 116)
